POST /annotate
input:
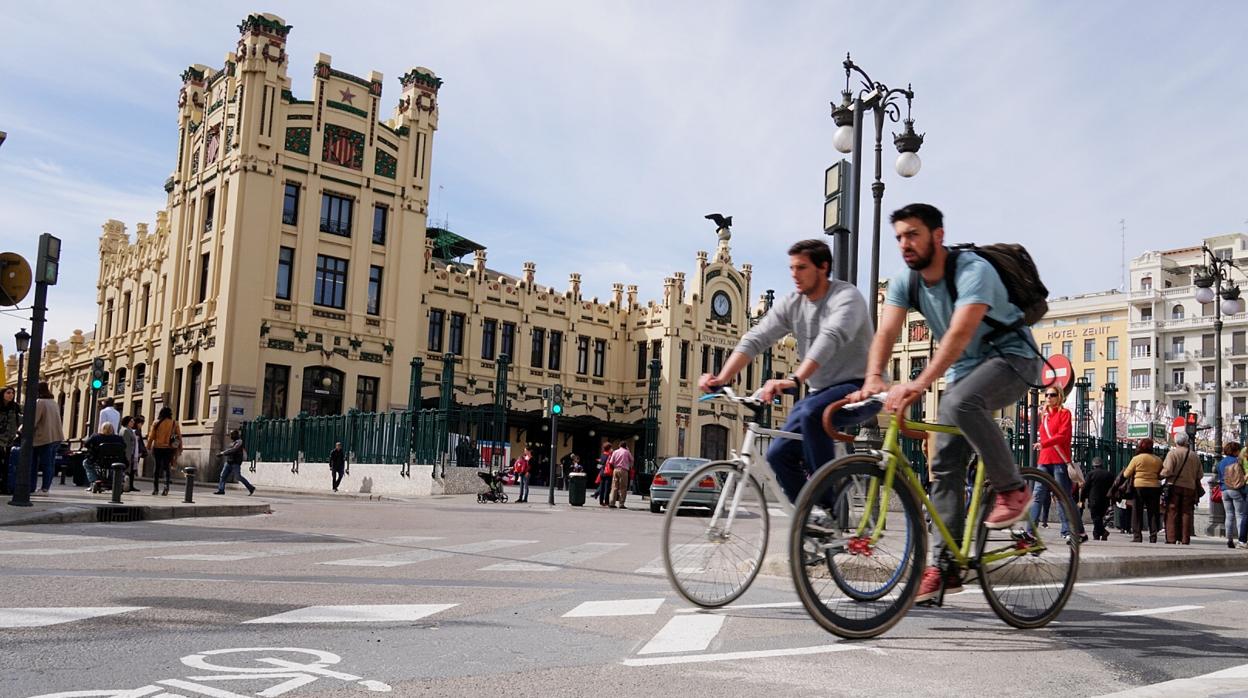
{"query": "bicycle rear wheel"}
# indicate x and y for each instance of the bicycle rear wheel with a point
(712, 561)
(1028, 576)
(857, 567)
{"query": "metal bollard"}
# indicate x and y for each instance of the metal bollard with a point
(119, 477)
(190, 471)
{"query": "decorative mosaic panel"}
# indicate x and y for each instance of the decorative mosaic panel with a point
(386, 166)
(299, 140)
(195, 161)
(343, 147)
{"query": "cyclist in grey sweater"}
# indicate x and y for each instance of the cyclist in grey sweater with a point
(829, 320)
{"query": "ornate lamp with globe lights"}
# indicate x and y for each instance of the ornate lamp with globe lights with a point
(22, 342)
(884, 102)
(1213, 285)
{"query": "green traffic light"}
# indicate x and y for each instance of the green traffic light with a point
(556, 409)
(96, 384)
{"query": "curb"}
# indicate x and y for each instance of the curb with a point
(88, 513)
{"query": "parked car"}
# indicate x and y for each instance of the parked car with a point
(668, 477)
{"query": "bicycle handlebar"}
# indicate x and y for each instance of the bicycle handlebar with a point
(726, 392)
(829, 413)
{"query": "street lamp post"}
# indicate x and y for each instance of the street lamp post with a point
(22, 339)
(1209, 280)
(848, 116)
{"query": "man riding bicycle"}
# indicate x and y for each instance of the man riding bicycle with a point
(984, 374)
(829, 320)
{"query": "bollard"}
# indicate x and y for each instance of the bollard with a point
(190, 471)
(119, 477)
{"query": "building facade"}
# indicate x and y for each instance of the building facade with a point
(293, 272)
(1173, 353)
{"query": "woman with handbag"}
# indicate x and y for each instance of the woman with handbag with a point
(165, 441)
(1182, 473)
(1230, 478)
(1054, 458)
(603, 493)
(1144, 474)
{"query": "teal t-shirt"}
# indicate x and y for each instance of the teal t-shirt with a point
(978, 283)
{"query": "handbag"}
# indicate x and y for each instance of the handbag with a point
(1215, 494)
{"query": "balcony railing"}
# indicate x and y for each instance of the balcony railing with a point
(1205, 354)
(1145, 353)
(336, 226)
(1141, 385)
(1206, 387)
(1176, 388)
(1237, 385)
(1176, 356)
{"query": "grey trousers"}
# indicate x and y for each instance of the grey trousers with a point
(968, 404)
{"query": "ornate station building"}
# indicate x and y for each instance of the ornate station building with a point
(293, 272)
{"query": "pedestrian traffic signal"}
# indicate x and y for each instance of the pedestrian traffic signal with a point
(1192, 420)
(556, 400)
(99, 377)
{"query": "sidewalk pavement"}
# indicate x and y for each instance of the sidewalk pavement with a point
(71, 504)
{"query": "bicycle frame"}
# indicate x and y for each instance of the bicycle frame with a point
(962, 552)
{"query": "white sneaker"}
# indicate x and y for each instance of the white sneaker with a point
(1241, 545)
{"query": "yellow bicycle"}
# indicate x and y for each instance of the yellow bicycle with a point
(858, 542)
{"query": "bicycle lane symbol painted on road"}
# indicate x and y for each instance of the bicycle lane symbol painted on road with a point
(271, 665)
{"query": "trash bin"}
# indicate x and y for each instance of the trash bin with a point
(576, 489)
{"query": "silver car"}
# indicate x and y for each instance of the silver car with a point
(668, 477)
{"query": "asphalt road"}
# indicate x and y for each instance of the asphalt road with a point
(445, 596)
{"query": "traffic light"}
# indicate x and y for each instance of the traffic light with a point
(1192, 420)
(556, 400)
(99, 377)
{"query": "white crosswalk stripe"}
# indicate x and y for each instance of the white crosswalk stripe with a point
(621, 607)
(555, 559)
(689, 558)
(111, 547)
(685, 634)
(411, 557)
(39, 617)
(364, 613)
(252, 550)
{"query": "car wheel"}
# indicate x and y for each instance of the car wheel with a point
(655, 507)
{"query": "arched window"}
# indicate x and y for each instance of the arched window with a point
(120, 387)
(1176, 313)
(714, 442)
(322, 391)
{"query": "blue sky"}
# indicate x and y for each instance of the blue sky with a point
(593, 136)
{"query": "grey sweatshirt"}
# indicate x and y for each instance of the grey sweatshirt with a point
(834, 332)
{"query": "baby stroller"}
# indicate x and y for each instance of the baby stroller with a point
(494, 481)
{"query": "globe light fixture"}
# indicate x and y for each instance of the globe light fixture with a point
(843, 139)
(908, 164)
(1204, 295)
(908, 143)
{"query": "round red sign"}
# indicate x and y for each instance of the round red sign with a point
(1058, 371)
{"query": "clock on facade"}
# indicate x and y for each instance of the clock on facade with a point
(720, 305)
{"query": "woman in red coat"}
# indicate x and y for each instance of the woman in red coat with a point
(1054, 447)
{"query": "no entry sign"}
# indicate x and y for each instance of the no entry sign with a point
(1058, 371)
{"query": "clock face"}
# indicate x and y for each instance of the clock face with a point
(720, 305)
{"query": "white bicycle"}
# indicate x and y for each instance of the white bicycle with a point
(711, 562)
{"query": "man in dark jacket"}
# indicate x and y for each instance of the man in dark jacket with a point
(1096, 493)
(337, 464)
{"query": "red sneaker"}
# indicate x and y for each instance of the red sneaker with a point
(930, 585)
(1009, 508)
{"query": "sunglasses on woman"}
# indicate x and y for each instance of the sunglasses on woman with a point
(1050, 394)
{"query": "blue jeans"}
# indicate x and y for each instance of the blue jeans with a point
(225, 475)
(524, 487)
(793, 461)
(45, 457)
(1043, 496)
(1236, 503)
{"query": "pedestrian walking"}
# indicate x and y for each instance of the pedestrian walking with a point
(234, 455)
(140, 451)
(131, 439)
(1054, 458)
(603, 492)
(522, 467)
(48, 435)
(1095, 494)
(1144, 472)
(104, 448)
(10, 419)
(337, 465)
(109, 415)
(1230, 477)
(165, 440)
(1181, 473)
(621, 463)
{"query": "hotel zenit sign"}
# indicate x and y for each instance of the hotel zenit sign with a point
(1058, 334)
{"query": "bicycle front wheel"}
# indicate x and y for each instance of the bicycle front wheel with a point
(1027, 576)
(856, 547)
(712, 561)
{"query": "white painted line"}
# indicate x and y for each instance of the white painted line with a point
(733, 656)
(291, 549)
(39, 617)
(1227, 682)
(692, 558)
(208, 557)
(777, 511)
(411, 557)
(685, 634)
(738, 607)
(555, 560)
(623, 607)
(146, 545)
(1154, 611)
(381, 613)
(1154, 580)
